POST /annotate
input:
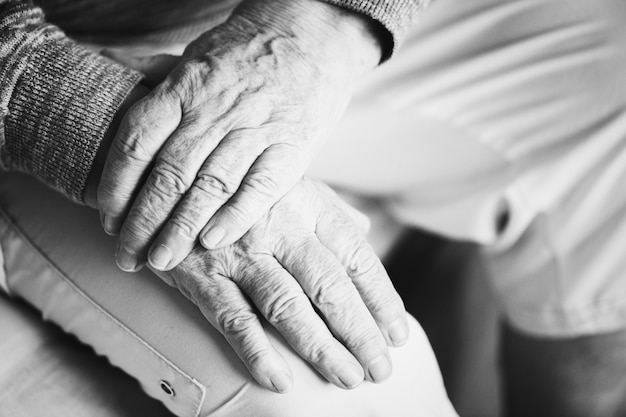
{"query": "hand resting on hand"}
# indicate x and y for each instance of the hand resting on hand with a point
(231, 128)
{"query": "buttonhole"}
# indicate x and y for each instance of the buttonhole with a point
(503, 217)
(167, 388)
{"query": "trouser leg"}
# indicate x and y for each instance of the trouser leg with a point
(59, 260)
(574, 377)
(44, 372)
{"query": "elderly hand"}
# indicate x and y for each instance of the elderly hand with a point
(231, 129)
(308, 269)
(307, 253)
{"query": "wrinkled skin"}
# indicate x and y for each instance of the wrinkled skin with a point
(309, 246)
(231, 129)
(227, 130)
(307, 251)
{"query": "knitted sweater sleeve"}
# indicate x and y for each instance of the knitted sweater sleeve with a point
(57, 99)
(396, 16)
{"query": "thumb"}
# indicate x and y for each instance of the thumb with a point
(154, 67)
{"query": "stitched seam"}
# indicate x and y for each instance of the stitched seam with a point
(65, 279)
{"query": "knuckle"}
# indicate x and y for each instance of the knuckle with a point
(168, 180)
(321, 351)
(387, 305)
(214, 186)
(194, 74)
(264, 183)
(365, 340)
(140, 225)
(332, 294)
(286, 306)
(361, 261)
(140, 229)
(235, 323)
(255, 356)
(185, 225)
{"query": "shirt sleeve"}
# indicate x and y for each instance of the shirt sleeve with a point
(396, 16)
(57, 99)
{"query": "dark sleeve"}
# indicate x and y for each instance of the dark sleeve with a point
(395, 16)
(57, 99)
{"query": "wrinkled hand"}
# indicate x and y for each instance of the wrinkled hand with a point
(231, 129)
(309, 235)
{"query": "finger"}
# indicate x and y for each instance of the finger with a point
(217, 180)
(228, 310)
(283, 303)
(171, 177)
(144, 129)
(154, 67)
(341, 236)
(325, 282)
(274, 173)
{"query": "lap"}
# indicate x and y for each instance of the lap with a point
(46, 372)
(59, 260)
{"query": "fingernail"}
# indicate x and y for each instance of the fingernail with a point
(281, 382)
(351, 376)
(125, 260)
(160, 257)
(108, 223)
(213, 237)
(398, 332)
(379, 369)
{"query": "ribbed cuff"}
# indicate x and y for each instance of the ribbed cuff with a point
(59, 112)
(394, 15)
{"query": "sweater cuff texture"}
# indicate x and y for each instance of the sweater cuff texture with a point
(59, 112)
(396, 16)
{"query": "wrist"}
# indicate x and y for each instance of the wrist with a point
(93, 179)
(320, 30)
